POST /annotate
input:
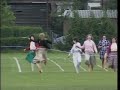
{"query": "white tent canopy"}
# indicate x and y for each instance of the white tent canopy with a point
(93, 5)
(87, 13)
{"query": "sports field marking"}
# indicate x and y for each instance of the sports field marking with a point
(68, 71)
(102, 68)
(80, 65)
(99, 66)
(59, 50)
(17, 62)
(67, 60)
(83, 68)
(56, 64)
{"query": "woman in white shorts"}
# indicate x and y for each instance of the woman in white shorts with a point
(76, 52)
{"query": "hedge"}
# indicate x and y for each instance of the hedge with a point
(19, 31)
(14, 41)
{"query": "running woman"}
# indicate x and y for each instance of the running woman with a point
(112, 55)
(31, 49)
(90, 50)
(103, 45)
(76, 52)
(41, 52)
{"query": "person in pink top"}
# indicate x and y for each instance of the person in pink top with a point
(112, 55)
(90, 49)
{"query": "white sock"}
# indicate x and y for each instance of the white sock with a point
(77, 69)
(32, 66)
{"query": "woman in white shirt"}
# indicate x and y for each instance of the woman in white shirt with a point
(76, 52)
(33, 48)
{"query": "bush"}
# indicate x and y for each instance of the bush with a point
(19, 31)
(14, 41)
(7, 15)
(81, 27)
(62, 47)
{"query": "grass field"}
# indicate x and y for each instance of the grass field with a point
(53, 78)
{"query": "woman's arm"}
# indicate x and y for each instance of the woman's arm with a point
(81, 46)
(100, 44)
(27, 49)
(95, 48)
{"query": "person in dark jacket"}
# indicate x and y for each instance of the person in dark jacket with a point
(41, 52)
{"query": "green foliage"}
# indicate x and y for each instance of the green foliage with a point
(7, 16)
(98, 27)
(19, 31)
(111, 4)
(61, 46)
(14, 35)
(79, 4)
(57, 25)
(14, 41)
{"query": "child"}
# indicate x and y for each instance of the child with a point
(31, 49)
(76, 52)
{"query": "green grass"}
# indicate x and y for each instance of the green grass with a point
(53, 78)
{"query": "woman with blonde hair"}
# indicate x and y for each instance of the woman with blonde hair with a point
(76, 54)
(41, 51)
(90, 50)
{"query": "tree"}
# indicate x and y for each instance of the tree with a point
(110, 4)
(7, 16)
(96, 26)
(79, 4)
(81, 27)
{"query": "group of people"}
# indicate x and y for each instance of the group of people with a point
(38, 50)
(108, 53)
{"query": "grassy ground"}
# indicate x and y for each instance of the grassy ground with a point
(53, 78)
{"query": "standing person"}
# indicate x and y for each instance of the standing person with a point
(76, 52)
(41, 51)
(103, 45)
(112, 55)
(90, 50)
(31, 49)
